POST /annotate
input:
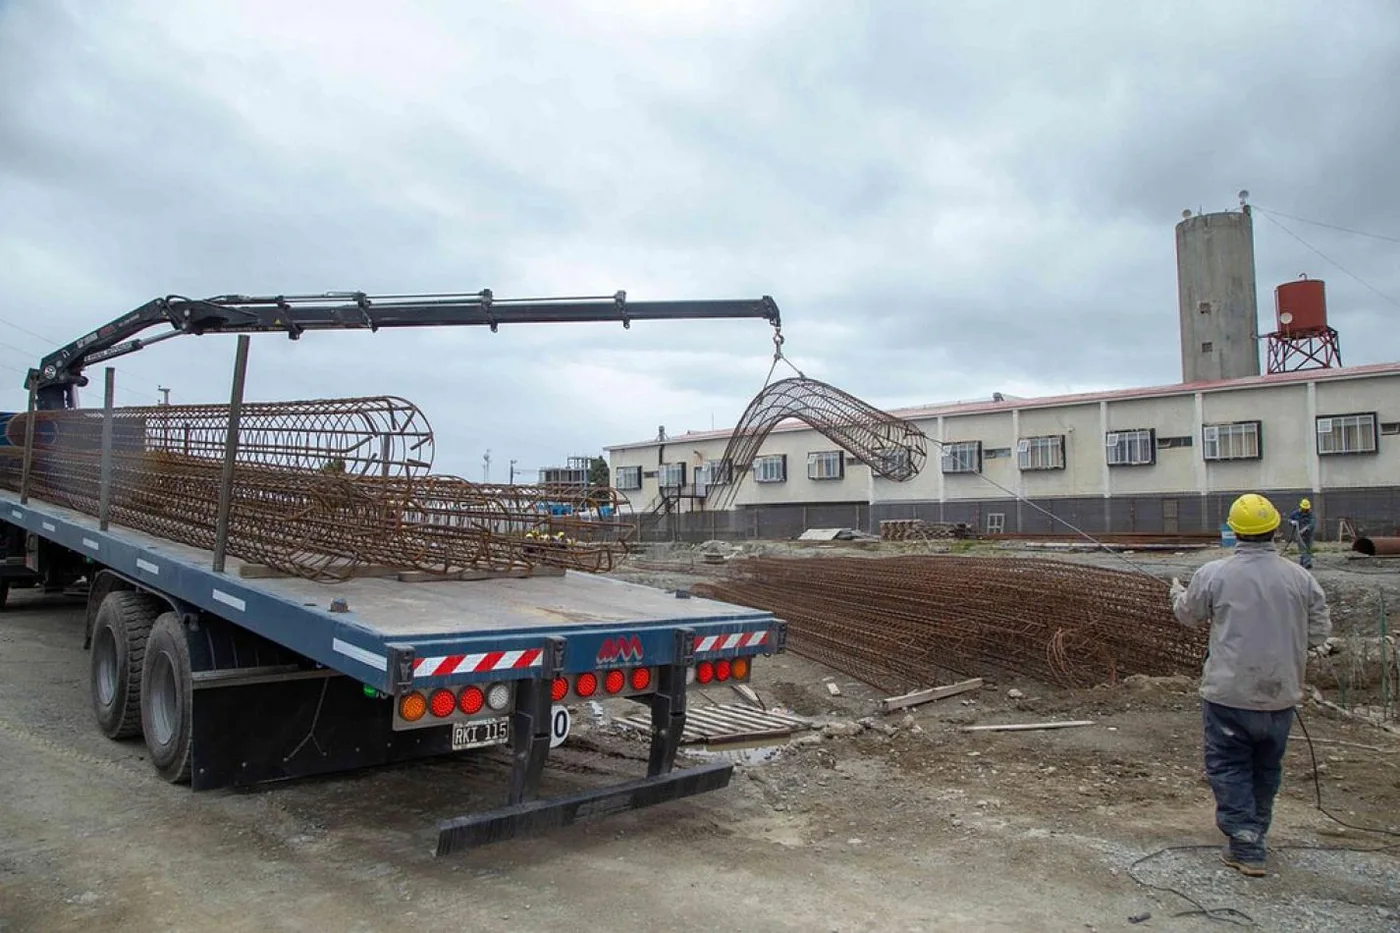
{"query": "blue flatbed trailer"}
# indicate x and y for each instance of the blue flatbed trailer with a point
(236, 678)
(272, 661)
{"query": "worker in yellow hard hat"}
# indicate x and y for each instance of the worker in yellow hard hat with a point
(1303, 525)
(1265, 615)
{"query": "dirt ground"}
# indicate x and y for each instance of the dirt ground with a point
(864, 823)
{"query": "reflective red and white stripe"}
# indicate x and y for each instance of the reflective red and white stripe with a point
(730, 642)
(477, 663)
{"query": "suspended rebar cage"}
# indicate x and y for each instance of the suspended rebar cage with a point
(381, 436)
(320, 489)
(897, 622)
(893, 448)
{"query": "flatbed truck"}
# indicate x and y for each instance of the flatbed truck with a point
(235, 677)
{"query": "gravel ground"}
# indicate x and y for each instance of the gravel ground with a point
(904, 824)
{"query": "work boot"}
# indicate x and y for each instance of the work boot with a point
(1249, 869)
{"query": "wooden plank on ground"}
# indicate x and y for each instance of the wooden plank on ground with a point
(1030, 726)
(890, 704)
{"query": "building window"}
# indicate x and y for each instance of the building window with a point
(894, 461)
(1390, 427)
(1346, 434)
(962, 457)
(1207, 346)
(671, 475)
(1131, 448)
(825, 464)
(996, 523)
(1041, 453)
(718, 472)
(1236, 441)
(628, 477)
(770, 469)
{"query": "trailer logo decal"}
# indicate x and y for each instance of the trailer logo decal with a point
(49, 526)
(477, 663)
(91, 544)
(16, 513)
(729, 642)
(147, 566)
(620, 649)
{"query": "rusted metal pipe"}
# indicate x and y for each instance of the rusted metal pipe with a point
(1377, 547)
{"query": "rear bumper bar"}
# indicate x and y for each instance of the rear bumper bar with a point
(540, 816)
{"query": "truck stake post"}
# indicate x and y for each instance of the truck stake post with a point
(104, 508)
(240, 374)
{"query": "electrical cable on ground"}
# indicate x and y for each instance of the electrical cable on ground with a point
(1232, 914)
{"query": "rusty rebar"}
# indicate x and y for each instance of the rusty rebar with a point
(379, 435)
(892, 447)
(322, 490)
(897, 622)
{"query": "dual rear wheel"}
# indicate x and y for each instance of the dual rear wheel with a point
(141, 680)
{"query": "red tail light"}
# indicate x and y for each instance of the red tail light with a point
(472, 700)
(615, 681)
(560, 689)
(443, 703)
(704, 672)
(641, 678)
(586, 685)
(722, 669)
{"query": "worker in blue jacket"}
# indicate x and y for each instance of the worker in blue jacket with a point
(1303, 525)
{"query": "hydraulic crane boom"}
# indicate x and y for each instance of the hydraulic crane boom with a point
(62, 371)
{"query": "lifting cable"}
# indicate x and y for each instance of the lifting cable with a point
(779, 357)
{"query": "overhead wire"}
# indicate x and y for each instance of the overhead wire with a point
(1269, 217)
(27, 353)
(1319, 223)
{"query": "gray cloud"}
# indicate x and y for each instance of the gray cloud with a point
(944, 203)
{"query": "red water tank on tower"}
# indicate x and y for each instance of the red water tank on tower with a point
(1301, 307)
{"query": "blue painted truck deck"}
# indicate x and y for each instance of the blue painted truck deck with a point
(455, 631)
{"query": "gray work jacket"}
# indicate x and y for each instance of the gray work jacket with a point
(1264, 612)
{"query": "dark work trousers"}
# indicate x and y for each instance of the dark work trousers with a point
(1244, 762)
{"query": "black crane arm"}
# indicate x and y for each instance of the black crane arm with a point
(61, 371)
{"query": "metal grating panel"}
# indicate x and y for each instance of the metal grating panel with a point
(728, 723)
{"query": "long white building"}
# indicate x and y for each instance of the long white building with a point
(1159, 459)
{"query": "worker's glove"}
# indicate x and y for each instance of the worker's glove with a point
(1177, 589)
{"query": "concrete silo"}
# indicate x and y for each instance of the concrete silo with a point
(1219, 300)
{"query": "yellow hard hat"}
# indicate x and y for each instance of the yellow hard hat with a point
(1252, 514)
(1305, 504)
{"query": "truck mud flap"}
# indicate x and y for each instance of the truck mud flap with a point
(541, 816)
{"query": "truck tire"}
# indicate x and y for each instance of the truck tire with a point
(119, 636)
(167, 699)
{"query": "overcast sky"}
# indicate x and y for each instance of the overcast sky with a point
(944, 203)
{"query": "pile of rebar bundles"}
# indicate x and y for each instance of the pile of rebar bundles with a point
(897, 622)
(321, 489)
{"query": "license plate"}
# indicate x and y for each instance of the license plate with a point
(477, 734)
